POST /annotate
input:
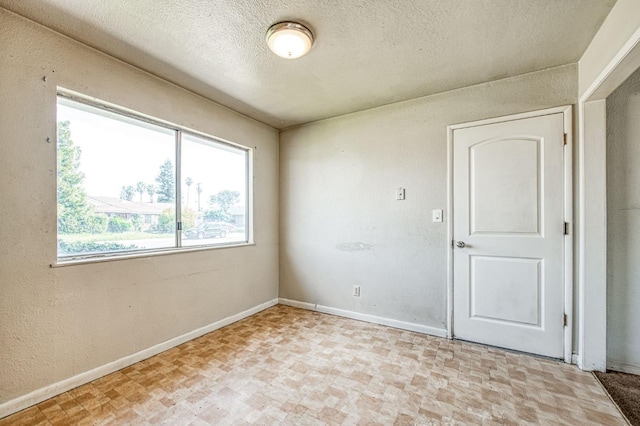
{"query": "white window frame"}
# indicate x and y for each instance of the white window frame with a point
(179, 131)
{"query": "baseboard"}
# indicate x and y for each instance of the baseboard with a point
(575, 359)
(42, 394)
(623, 368)
(432, 331)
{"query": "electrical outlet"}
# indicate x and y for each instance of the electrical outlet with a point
(400, 194)
(356, 290)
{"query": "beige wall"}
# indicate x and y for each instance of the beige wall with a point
(340, 222)
(623, 226)
(58, 322)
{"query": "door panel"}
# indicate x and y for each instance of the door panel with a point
(508, 278)
(496, 297)
(514, 185)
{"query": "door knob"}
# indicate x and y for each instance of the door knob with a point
(460, 244)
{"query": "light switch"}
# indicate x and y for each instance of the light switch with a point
(437, 215)
(400, 194)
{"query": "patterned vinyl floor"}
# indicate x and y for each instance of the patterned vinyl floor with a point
(287, 366)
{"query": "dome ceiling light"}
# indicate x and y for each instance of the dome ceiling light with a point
(289, 40)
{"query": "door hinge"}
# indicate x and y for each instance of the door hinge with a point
(566, 228)
(179, 226)
(452, 244)
(565, 320)
(564, 139)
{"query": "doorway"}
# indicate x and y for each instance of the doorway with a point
(510, 203)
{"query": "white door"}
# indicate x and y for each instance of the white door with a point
(508, 230)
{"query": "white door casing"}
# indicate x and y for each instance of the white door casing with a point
(509, 281)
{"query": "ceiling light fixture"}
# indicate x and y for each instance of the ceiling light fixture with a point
(289, 39)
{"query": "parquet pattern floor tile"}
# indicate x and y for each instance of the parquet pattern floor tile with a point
(287, 366)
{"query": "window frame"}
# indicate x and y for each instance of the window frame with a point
(178, 133)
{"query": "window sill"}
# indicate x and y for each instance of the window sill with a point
(143, 254)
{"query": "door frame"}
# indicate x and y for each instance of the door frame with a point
(592, 260)
(567, 112)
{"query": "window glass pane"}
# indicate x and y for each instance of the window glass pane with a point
(214, 192)
(116, 182)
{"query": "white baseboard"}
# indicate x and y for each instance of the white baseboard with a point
(42, 394)
(432, 331)
(575, 359)
(624, 368)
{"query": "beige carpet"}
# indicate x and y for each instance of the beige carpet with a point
(287, 366)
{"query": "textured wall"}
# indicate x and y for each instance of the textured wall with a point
(58, 322)
(340, 222)
(623, 226)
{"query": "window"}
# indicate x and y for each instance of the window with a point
(128, 184)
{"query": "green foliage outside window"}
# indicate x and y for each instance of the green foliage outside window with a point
(118, 225)
(166, 184)
(167, 221)
(75, 215)
(222, 203)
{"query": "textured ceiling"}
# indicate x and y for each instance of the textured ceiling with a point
(367, 52)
